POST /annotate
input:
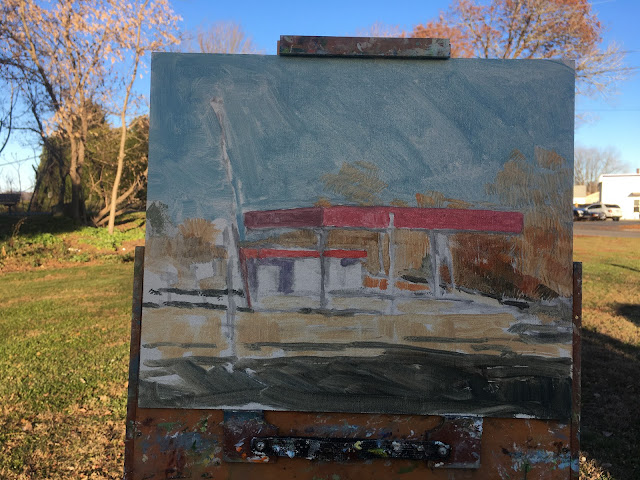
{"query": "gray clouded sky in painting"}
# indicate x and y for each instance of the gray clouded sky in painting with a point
(427, 124)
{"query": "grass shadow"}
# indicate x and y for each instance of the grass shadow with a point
(610, 402)
(137, 217)
(626, 267)
(630, 311)
(34, 225)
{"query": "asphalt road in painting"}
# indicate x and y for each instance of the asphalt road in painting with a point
(422, 381)
(608, 228)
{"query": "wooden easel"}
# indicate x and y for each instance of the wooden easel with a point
(190, 443)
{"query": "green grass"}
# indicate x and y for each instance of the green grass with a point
(611, 357)
(45, 241)
(63, 360)
(64, 336)
(100, 238)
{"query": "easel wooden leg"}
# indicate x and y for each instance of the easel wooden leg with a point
(577, 370)
(134, 363)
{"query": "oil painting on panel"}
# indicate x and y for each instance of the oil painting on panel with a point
(361, 235)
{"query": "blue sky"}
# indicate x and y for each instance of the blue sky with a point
(614, 121)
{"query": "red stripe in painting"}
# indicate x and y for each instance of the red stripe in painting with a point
(360, 217)
(248, 253)
(458, 219)
(297, 217)
(281, 253)
(346, 253)
(380, 218)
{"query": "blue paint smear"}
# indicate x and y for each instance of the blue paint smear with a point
(426, 125)
(558, 461)
(190, 441)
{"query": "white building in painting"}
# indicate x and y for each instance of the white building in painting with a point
(622, 189)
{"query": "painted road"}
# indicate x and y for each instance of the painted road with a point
(608, 228)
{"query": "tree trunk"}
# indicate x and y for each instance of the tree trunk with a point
(75, 176)
(116, 183)
(123, 127)
(103, 215)
(84, 123)
(62, 190)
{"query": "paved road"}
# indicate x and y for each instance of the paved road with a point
(608, 228)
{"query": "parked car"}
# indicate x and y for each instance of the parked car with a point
(596, 216)
(604, 211)
(579, 214)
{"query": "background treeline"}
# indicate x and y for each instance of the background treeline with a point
(53, 185)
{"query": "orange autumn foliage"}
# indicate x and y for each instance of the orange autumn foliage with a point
(531, 29)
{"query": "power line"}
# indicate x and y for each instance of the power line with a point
(18, 161)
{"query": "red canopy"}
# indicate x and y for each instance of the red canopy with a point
(384, 217)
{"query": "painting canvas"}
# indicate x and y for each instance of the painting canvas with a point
(359, 235)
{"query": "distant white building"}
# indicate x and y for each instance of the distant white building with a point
(622, 189)
(580, 196)
(592, 198)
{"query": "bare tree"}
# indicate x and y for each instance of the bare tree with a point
(9, 181)
(67, 56)
(380, 29)
(591, 162)
(6, 117)
(220, 37)
(139, 36)
(61, 49)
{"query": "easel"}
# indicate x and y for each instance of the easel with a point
(179, 443)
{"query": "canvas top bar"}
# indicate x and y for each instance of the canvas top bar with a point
(367, 47)
(377, 218)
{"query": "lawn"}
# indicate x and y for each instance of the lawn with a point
(64, 344)
(610, 356)
(64, 331)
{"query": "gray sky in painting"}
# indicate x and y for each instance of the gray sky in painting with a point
(427, 124)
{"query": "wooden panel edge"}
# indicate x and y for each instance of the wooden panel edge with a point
(364, 47)
(134, 363)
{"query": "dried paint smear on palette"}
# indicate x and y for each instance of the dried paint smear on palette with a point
(389, 236)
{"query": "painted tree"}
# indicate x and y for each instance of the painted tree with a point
(532, 29)
(68, 55)
(540, 190)
(358, 182)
